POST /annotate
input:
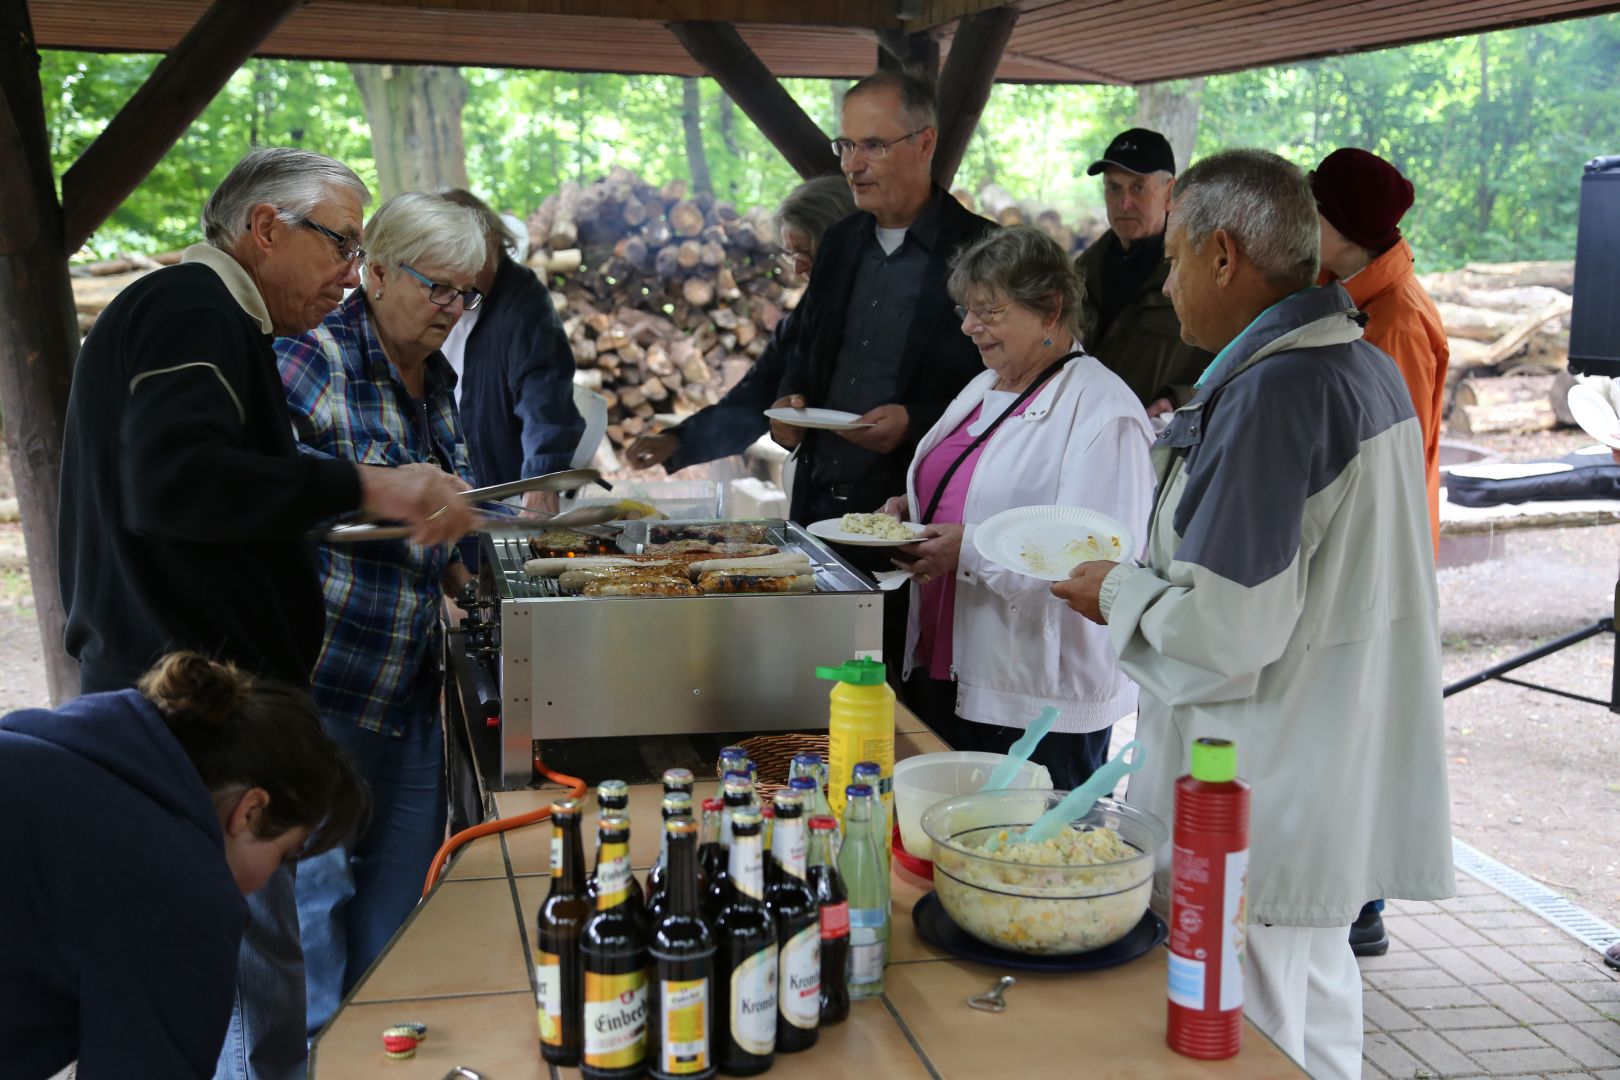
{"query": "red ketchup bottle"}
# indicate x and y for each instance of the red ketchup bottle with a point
(1209, 884)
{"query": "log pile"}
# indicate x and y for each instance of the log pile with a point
(1508, 328)
(667, 299)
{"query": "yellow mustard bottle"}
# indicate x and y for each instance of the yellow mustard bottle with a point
(860, 728)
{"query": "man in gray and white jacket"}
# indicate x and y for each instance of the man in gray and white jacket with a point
(1288, 599)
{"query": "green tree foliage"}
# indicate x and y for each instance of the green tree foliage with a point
(1492, 130)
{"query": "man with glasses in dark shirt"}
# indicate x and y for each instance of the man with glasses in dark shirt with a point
(879, 339)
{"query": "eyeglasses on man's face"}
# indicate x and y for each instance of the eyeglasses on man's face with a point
(348, 247)
(442, 294)
(869, 148)
(985, 315)
(797, 261)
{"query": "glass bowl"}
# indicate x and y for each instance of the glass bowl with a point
(1047, 901)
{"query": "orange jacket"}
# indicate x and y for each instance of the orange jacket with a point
(1403, 321)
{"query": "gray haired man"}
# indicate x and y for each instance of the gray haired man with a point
(1288, 599)
(186, 507)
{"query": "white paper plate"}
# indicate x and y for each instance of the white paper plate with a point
(823, 419)
(828, 529)
(1592, 410)
(1046, 542)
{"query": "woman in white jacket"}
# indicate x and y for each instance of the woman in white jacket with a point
(987, 648)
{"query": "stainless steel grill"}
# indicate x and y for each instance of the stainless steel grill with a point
(576, 667)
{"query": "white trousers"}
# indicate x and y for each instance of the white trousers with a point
(1302, 987)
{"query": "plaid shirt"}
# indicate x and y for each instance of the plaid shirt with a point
(383, 598)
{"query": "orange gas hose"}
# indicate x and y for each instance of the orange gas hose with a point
(576, 788)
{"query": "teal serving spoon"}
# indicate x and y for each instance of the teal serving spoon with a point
(1078, 802)
(1019, 752)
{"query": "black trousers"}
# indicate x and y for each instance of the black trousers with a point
(1071, 758)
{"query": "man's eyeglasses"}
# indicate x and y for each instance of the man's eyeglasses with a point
(442, 294)
(349, 248)
(796, 261)
(869, 148)
(983, 315)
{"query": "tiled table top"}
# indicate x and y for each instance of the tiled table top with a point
(463, 967)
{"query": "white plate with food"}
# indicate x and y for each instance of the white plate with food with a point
(821, 419)
(1047, 542)
(1593, 410)
(866, 530)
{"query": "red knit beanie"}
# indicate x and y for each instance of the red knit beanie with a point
(1363, 196)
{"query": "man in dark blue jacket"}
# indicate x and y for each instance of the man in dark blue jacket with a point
(516, 370)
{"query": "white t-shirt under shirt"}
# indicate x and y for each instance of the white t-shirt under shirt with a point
(890, 239)
(455, 345)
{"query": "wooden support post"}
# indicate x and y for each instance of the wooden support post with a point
(919, 52)
(174, 95)
(39, 334)
(964, 85)
(728, 59)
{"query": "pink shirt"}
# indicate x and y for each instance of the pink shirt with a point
(936, 599)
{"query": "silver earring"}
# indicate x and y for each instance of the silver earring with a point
(378, 296)
(1047, 341)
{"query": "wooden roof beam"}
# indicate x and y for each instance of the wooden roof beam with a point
(965, 83)
(153, 120)
(731, 63)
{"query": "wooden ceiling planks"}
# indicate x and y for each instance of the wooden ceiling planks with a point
(1123, 41)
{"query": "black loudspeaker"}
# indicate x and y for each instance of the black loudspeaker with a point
(1594, 321)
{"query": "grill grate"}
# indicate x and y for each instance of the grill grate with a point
(1579, 924)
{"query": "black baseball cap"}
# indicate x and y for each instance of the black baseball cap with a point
(1139, 151)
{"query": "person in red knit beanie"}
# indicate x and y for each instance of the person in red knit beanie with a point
(1360, 200)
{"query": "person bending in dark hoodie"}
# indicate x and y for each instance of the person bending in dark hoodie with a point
(134, 823)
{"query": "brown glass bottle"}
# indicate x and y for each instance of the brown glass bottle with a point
(682, 994)
(739, 796)
(560, 984)
(745, 959)
(676, 804)
(614, 953)
(679, 780)
(796, 915)
(613, 797)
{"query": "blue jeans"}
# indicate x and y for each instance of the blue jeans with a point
(266, 1038)
(351, 901)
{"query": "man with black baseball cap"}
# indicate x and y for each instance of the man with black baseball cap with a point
(1130, 325)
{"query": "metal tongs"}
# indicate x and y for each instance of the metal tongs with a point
(511, 517)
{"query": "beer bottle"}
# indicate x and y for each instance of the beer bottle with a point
(559, 979)
(833, 913)
(733, 759)
(862, 869)
(682, 949)
(745, 959)
(613, 797)
(678, 780)
(767, 814)
(675, 805)
(739, 796)
(793, 909)
(614, 951)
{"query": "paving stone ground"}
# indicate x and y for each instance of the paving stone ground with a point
(1478, 986)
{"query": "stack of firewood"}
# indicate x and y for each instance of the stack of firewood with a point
(667, 299)
(1508, 328)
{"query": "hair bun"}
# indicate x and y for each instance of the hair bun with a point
(187, 687)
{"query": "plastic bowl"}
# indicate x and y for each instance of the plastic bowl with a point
(923, 780)
(1045, 910)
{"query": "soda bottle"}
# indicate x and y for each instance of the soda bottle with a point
(559, 979)
(833, 916)
(614, 953)
(863, 874)
(732, 759)
(793, 909)
(870, 773)
(745, 959)
(676, 804)
(811, 767)
(682, 949)
(1208, 904)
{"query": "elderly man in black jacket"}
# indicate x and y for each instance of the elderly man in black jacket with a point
(878, 337)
